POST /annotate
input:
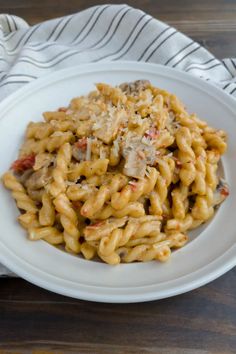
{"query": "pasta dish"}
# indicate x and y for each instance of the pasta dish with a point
(121, 174)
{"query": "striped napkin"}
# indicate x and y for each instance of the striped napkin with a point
(98, 34)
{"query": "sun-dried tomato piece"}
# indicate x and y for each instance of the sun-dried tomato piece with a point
(62, 109)
(95, 225)
(77, 204)
(81, 144)
(23, 164)
(152, 133)
(224, 191)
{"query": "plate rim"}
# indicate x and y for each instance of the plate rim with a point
(127, 298)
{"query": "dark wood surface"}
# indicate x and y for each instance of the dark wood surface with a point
(33, 320)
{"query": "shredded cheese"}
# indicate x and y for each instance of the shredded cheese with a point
(88, 150)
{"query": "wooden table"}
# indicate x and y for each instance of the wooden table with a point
(200, 322)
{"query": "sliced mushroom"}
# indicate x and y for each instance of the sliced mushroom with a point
(135, 86)
(39, 178)
(221, 192)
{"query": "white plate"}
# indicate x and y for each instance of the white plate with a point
(203, 259)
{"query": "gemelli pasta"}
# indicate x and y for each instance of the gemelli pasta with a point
(121, 174)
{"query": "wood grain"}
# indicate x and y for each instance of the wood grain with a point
(33, 320)
(201, 321)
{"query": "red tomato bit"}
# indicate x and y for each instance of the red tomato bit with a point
(224, 191)
(62, 109)
(81, 144)
(23, 164)
(95, 225)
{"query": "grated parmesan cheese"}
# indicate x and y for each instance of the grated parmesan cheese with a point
(102, 153)
(70, 183)
(116, 147)
(88, 151)
(146, 141)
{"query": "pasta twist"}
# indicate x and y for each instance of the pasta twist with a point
(51, 143)
(101, 229)
(215, 141)
(96, 202)
(184, 142)
(201, 209)
(199, 185)
(23, 201)
(179, 225)
(47, 233)
(159, 251)
(149, 240)
(80, 192)
(88, 169)
(69, 221)
(58, 115)
(179, 199)
(134, 191)
(39, 130)
(177, 239)
(158, 196)
(60, 171)
(47, 212)
(211, 175)
(134, 229)
(134, 209)
(28, 220)
(87, 250)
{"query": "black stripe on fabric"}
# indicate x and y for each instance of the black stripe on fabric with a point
(125, 42)
(22, 38)
(233, 63)
(115, 30)
(31, 34)
(53, 44)
(1, 45)
(184, 57)
(159, 45)
(63, 28)
(21, 75)
(14, 22)
(153, 41)
(14, 82)
(44, 46)
(92, 27)
(231, 92)
(227, 85)
(205, 69)
(48, 60)
(108, 29)
(134, 40)
(72, 17)
(48, 66)
(228, 70)
(18, 75)
(205, 62)
(86, 24)
(180, 51)
(8, 23)
(54, 29)
(9, 36)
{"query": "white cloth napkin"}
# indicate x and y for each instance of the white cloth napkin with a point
(101, 33)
